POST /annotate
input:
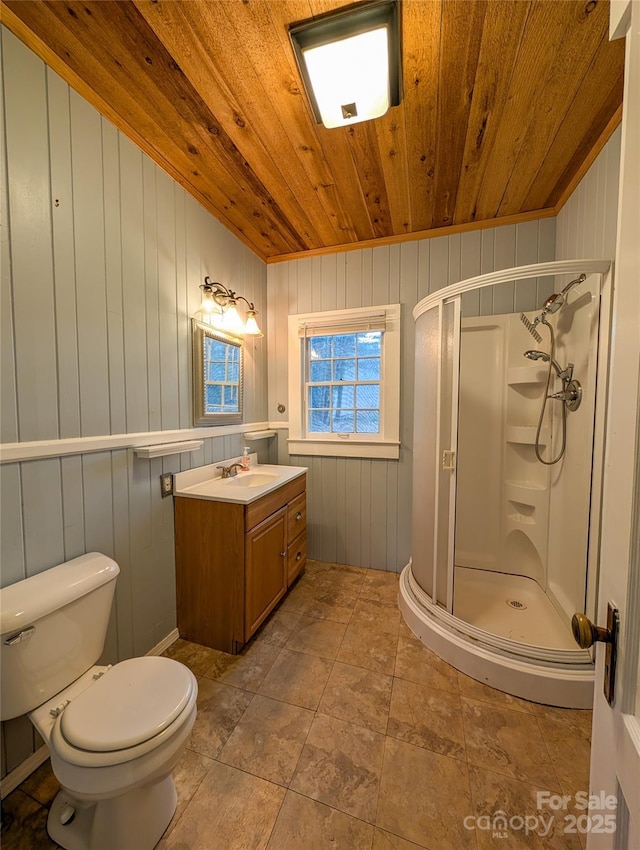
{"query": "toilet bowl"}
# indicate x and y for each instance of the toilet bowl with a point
(114, 733)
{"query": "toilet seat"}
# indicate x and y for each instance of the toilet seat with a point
(128, 711)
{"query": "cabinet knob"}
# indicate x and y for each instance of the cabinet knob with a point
(283, 554)
(298, 556)
(298, 515)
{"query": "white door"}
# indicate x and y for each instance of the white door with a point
(615, 755)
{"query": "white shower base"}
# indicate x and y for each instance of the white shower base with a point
(550, 675)
(480, 598)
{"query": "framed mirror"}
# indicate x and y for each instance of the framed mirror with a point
(217, 376)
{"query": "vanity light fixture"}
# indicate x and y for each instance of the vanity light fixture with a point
(350, 61)
(221, 304)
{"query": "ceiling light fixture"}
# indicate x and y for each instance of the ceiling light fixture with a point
(221, 304)
(350, 62)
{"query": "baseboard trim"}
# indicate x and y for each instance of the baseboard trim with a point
(23, 770)
(165, 643)
(18, 775)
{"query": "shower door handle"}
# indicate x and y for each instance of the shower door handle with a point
(587, 633)
(448, 460)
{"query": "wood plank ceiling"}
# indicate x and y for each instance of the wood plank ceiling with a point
(503, 102)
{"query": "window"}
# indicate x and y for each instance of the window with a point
(344, 382)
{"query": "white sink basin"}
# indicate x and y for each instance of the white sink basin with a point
(251, 479)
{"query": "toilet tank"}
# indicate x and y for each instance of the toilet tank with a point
(53, 629)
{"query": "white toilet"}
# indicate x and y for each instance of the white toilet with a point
(114, 733)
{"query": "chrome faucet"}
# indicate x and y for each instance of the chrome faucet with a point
(230, 471)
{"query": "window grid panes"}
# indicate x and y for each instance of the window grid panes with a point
(343, 383)
(221, 377)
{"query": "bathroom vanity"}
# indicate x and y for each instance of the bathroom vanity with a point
(240, 544)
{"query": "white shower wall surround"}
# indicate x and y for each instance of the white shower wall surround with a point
(499, 511)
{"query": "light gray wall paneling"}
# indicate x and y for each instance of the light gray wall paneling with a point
(359, 511)
(8, 398)
(100, 272)
(586, 225)
(28, 185)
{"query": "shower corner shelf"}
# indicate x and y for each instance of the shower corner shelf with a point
(525, 435)
(525, 375)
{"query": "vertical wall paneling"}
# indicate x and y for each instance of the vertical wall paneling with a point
(73, 512)
(42, 515)
(28, 185)
(586, 225)
(113, 274)
(100, 274)
(133, 289)
(88, 222)
(63, 254)
(8, 398)
(11, 524)
(151, 252)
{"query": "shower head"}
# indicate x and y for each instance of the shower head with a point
(558, 299)
(531, 327)
(536, 355)
(533, 354)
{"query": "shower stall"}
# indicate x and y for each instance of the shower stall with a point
(510, 386)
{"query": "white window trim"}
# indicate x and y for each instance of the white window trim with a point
(383, 445)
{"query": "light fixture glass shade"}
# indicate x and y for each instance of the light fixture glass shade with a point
(231, 320)
(350, 61)
(251, 325)
(350, 77)
(208, 303)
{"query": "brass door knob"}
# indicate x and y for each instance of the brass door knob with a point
(586, 633)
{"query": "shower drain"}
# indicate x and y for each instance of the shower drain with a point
(515, 603)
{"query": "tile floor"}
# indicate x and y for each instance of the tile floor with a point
(337, 729)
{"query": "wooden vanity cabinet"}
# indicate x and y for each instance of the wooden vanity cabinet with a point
(234, 563)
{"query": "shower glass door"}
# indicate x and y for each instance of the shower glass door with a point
(436, 408)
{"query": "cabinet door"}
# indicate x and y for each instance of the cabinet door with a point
(265, 569)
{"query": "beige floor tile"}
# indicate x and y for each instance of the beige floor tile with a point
(268, 739)
(478, 690)
(506, 741)
(197, 658)
(427, 717)
(578, 719)
(340, 765)
(231, 810)
(340, 578)
(316, 637)
(187, 775)
(297, 678)
(24, 824)
(42, 785)
(424, 797)
(305, 824)
(364, 646)
(220, 707)
(245, 670)
(494, 795)
(416, 663)
(384, 616)
(278, 627)
(388, 841)
(333, 605)
(357, 695)
(570, 751)
(297, 599)
(380, 586)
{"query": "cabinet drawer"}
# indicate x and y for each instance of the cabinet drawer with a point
(296, 557)
(264, 507)
(297, 516)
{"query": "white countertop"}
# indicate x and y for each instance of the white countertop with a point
(206, 482)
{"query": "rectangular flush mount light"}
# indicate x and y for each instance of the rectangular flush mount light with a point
(350, 62)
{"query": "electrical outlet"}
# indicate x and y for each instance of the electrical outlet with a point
(166, 484)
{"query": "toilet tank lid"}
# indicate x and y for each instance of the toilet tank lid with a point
(24, 602)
